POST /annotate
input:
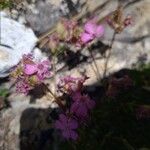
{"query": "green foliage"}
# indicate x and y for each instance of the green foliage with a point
(5, 4)
(3, 98)
(3, 93)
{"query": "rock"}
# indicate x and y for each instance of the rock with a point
(43, 15)
(19, 127)
(16, 40)
(133, 42)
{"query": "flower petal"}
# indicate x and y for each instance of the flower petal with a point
(73, 135)
(73, 124)
(74, 107)
(66, 134)
(82, 111)
(99, 31)
(90, 27)
(63, 118)
(30, 69)
(59, 125)
(86, 37)
(76, 96)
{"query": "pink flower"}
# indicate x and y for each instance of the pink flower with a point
(128, 21)
(86, 37)
(28, 73)
(68, 127)
(69, 24)
(76, 95)
(91, 31)
(69, 33)
(71, 84)
(23, 87)
(43, 69)
(30, 69)
(121, 23)
(40, 69)
(82, 105)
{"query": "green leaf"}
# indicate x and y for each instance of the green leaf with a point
(3, 92)
(5, 4)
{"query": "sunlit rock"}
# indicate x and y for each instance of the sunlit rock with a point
(16, 40)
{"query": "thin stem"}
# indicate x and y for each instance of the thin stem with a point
(109, 54)
(96, 66)
(54, 70)
(57, 100)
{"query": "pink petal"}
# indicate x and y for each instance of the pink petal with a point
(46, 62)
(30, 69)
(73, 135)
(66, 134)
(59, 125)
(99, 31)
(63, 118)
(73, 124)
(74, 107)
(85, 37)
(40, 76)
(76, 96)
(83, 110)
(90, 27)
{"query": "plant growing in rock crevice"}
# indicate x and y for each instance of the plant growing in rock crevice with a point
(30, 73)
(77, 106)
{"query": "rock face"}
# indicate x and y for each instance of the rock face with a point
(42, 15)
(16, 40)
(133, 42)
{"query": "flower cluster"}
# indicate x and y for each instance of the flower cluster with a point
(68, 31)
(91, 31)
(70, 84)
(81, 105)
(30, 73)
(117, 21)
(115, 84)
(68, 126)
(78, 111)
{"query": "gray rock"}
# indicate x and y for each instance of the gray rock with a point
(16, 40)
(42, 15)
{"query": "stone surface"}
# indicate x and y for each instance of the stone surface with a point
(16, 40)
(43, 15)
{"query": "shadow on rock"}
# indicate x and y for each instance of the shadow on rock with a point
(36, 131)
